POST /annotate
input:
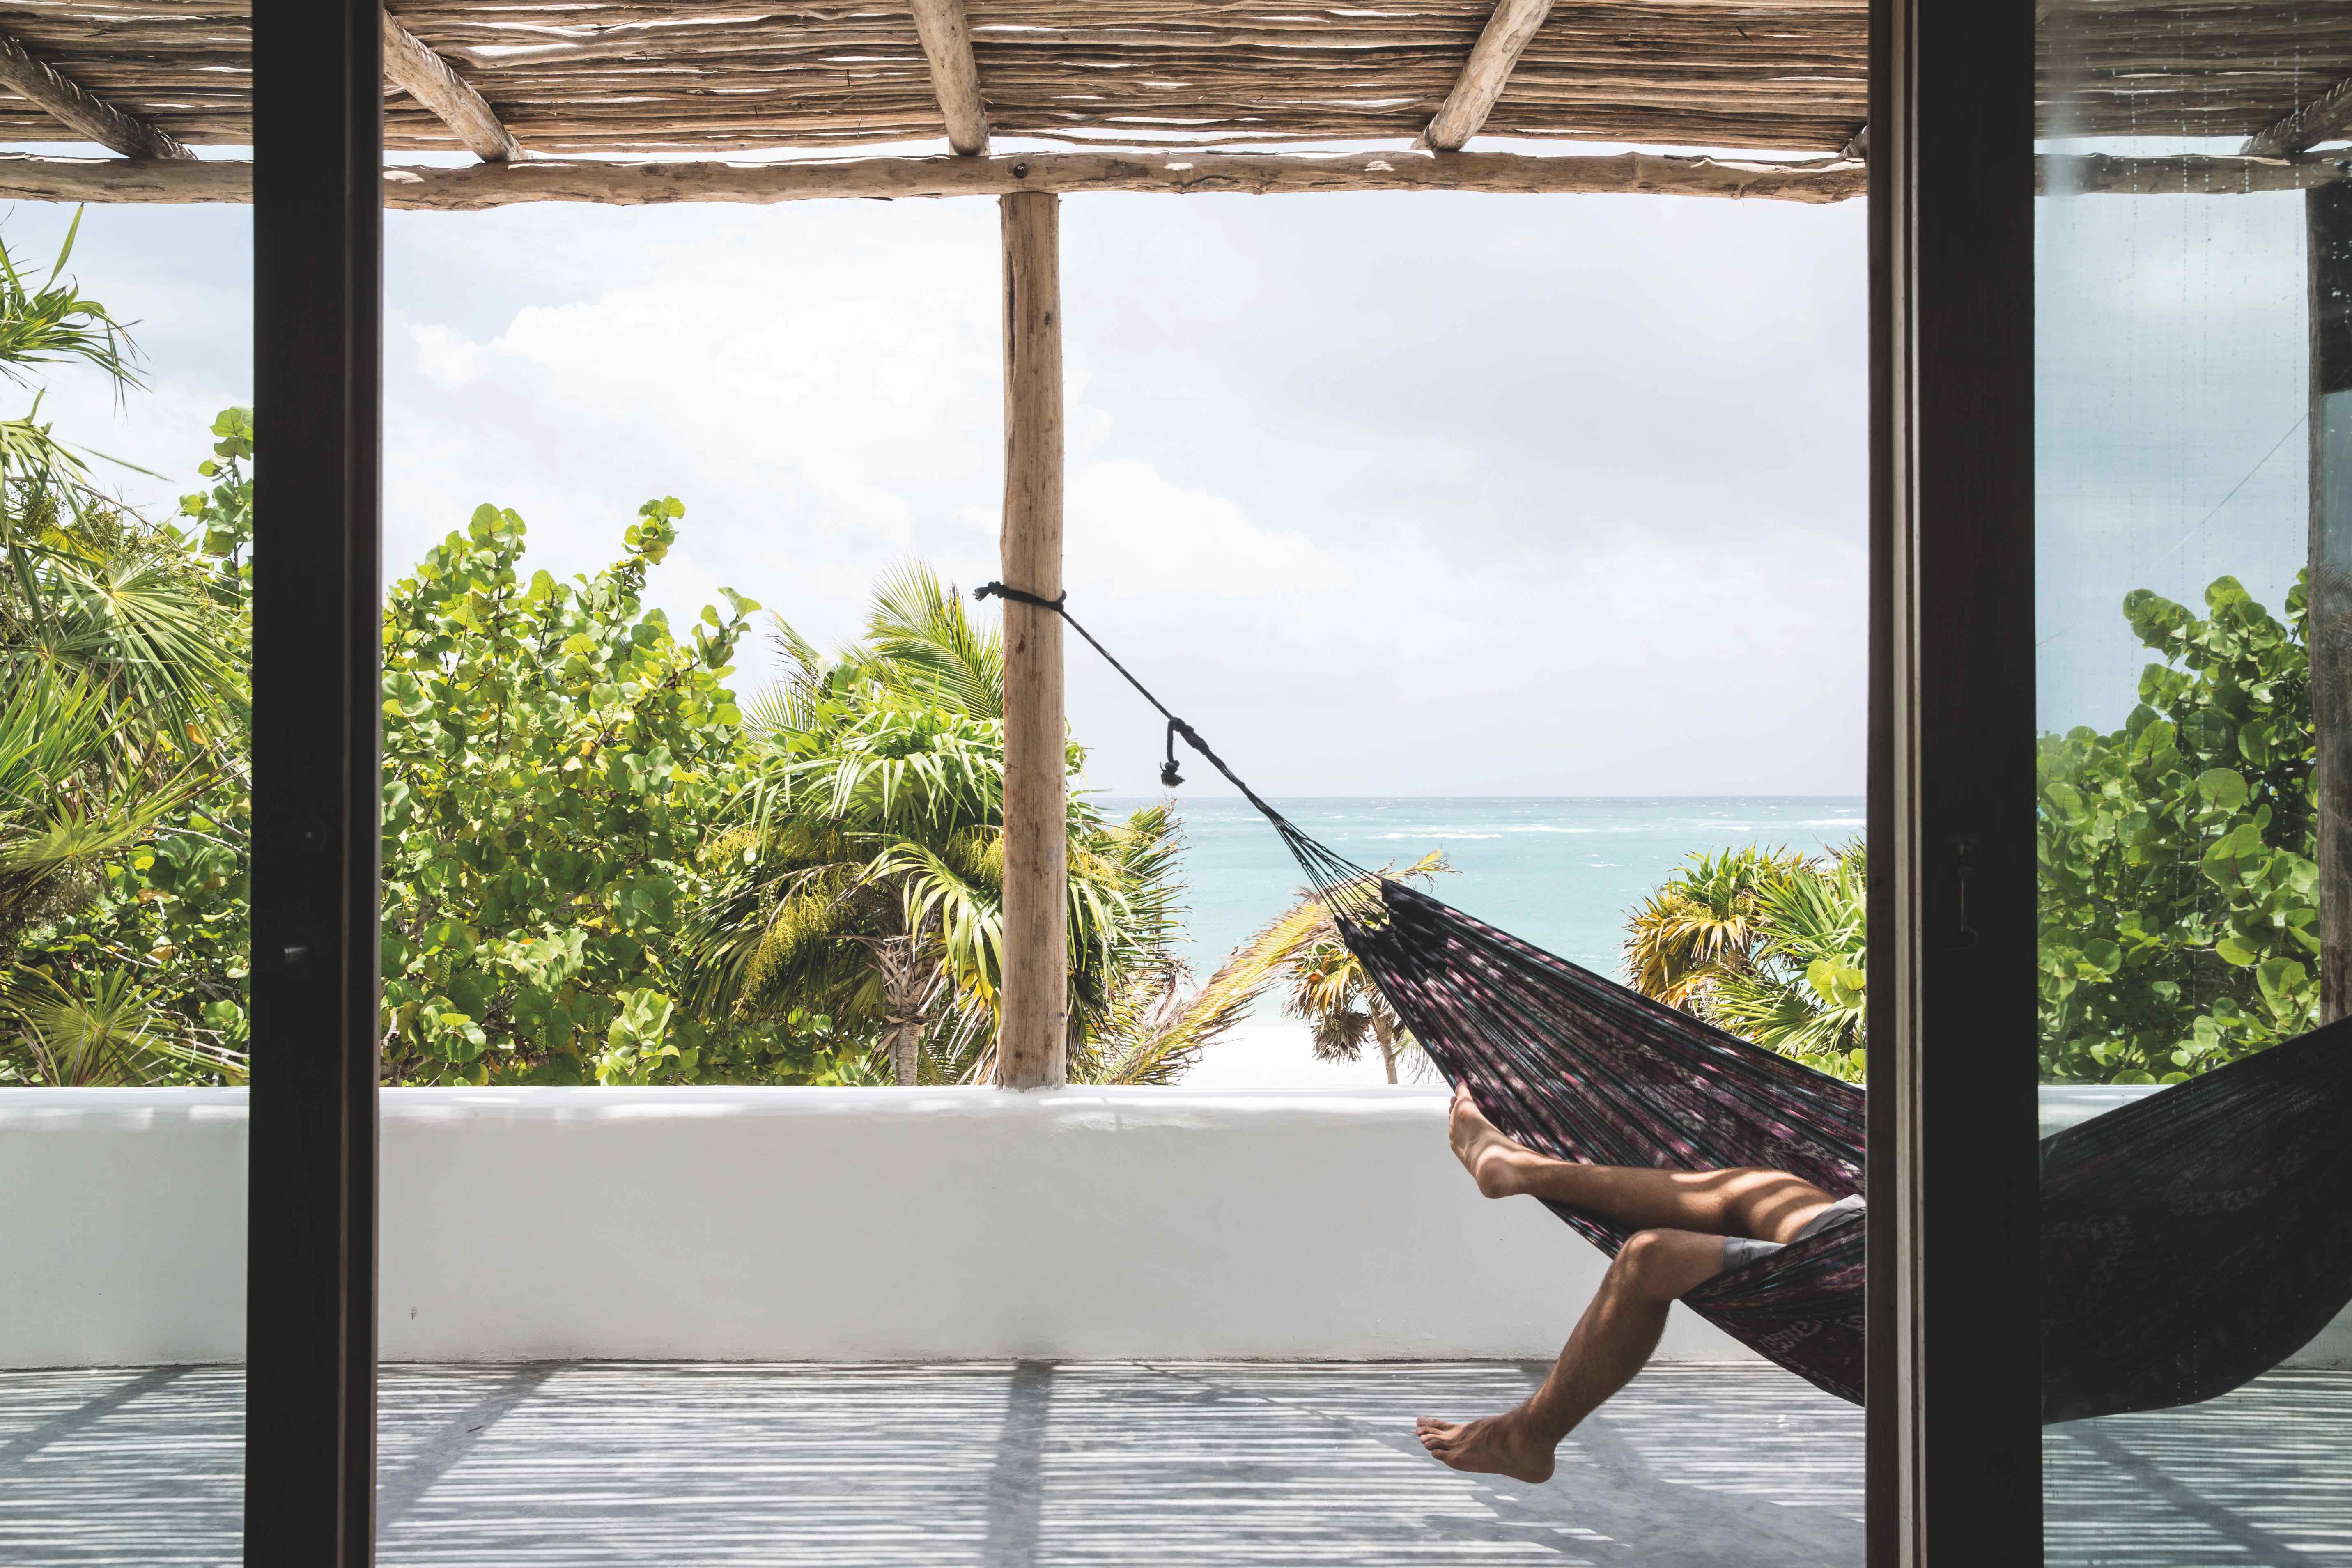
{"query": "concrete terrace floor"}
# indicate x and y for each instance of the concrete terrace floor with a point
(580, 1465)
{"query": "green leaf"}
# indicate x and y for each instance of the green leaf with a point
(2222, 788)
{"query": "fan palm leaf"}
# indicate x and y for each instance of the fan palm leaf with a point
(1801, 989)
(101, 1030)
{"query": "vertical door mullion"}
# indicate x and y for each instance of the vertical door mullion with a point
(310, 1257)
(1953, 1312)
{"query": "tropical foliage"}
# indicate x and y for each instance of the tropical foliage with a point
(2178, 916)
(555, 754)
(1298, 955)
(122, 716)
(1765, 943)
(2179, 922)
(596, 867)
(862, 871)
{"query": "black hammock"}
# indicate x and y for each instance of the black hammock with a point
(2190, 1240)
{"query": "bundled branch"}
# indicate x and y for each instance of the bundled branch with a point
(613, 77)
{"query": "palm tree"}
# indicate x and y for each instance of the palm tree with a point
(65, 799)
(863, 875)
(1804, 995)
(123, 696)
(1765, 943)
(835, 886)
(1135, 1021)
(1323, 983)
(1706, 923)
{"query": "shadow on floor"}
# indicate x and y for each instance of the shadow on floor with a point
(1010, 1465)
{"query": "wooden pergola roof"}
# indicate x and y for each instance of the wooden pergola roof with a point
(538, 82)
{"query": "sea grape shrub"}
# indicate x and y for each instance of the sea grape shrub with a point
(555, 754)
(2179, 922)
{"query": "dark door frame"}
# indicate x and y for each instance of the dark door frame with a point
(310, 1257)
(1954, 1424)
(1954, 1437)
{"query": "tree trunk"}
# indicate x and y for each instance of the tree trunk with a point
(2329, 211)
(1385, 1032)
(907, 988)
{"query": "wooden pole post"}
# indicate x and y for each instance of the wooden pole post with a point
(1033, 1047)
(2329, 211)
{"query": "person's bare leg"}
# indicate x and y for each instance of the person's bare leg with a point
(1612, 1341)
(1770, 1205)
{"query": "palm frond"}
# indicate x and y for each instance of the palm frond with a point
(920, 641)
(54, 322)
(100, 1030)
(1705, 923)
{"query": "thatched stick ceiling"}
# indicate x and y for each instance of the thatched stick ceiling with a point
(524, 79)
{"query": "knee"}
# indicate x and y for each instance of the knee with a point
(1650, 1264)
(1640, 1257)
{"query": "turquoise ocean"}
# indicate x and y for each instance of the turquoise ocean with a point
(1561, 873)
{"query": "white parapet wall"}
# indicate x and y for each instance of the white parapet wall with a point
(820, 1225)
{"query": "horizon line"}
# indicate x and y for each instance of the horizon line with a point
(1725, 794)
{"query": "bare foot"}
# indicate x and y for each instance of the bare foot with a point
(1498, 1445)
(1493, 1162)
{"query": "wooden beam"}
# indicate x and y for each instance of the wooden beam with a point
(32, 177)
(947, 45)
(2324, 118)
(71, 104)
(1033, 1016)
(1486, 74)
(410, 64)
(36, 178)
(2224, 174)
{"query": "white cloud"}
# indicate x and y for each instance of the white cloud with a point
(1388, 494)
(1130, 529)
(443, 357)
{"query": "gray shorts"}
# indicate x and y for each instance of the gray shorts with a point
(1738, 1251)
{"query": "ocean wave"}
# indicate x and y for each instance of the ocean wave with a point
(1545, 827)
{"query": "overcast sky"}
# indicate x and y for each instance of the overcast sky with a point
(1386, 493)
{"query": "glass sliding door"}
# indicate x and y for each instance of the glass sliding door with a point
(2193, 685)
(125, 821)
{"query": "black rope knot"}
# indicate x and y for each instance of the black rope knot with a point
(1022, 596)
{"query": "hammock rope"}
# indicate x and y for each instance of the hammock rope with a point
(2190, 1240)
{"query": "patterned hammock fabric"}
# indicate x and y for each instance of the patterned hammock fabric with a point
(2190, 1240)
